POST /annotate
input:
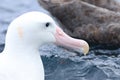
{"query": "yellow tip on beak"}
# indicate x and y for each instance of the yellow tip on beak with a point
(86, 48)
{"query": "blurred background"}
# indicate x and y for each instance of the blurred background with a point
(97, 22)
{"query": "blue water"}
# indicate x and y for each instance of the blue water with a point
(61, 63)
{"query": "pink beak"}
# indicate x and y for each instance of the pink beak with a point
(63, 39)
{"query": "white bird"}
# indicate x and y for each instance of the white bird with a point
(20, 59)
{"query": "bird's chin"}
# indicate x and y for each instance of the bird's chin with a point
(63, 39)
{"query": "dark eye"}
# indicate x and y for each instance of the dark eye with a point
(47, 24)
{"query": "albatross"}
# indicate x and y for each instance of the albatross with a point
(20, 59)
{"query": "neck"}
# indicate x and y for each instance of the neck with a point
(21, 50)
(17, 48)
(27, 59)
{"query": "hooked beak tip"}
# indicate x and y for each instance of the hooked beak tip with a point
(86, 49)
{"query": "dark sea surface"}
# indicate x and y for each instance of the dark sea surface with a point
(102, 62)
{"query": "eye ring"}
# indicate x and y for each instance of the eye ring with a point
(47, 24)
